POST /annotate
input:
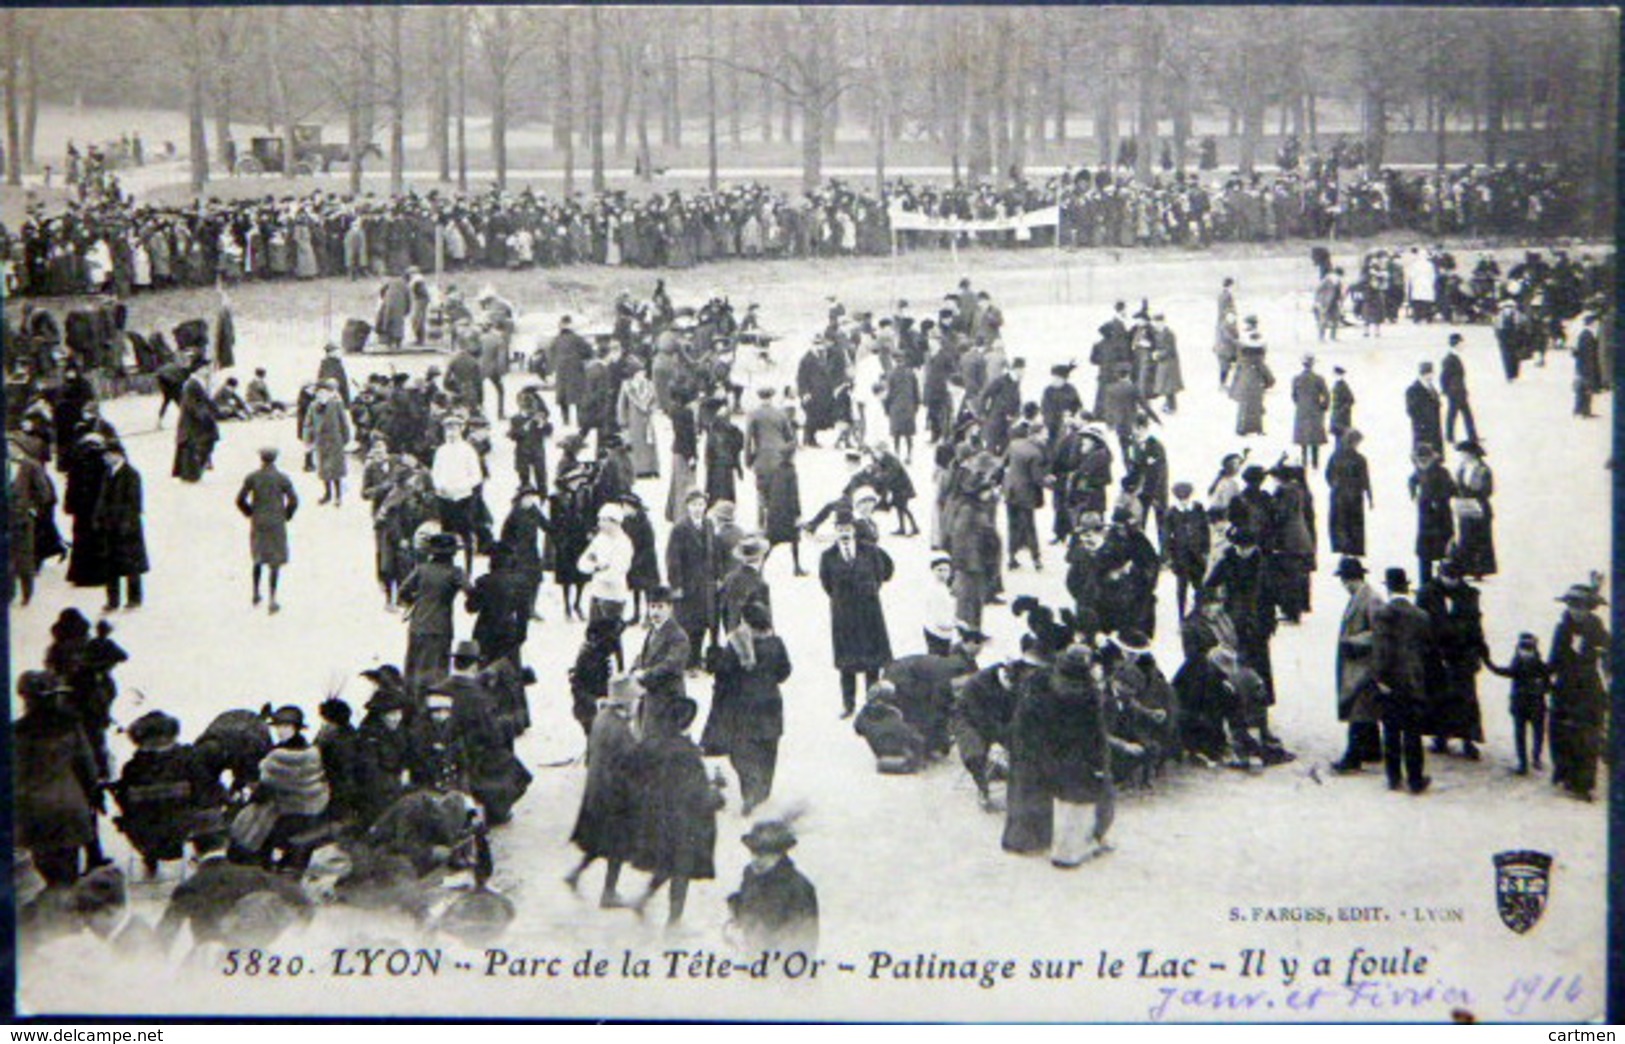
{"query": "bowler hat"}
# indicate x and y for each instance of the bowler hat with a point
(659, 593)
(153, 727)
(467, 649)
(32, 684)
(751, 548)
(1472, 446)
(971, 634)
(442, 543)
(1133, 642)
(1395, 580)
(772, 835)
(1350, 569)
(288, 715)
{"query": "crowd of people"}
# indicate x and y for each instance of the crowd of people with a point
(109, 242)
(1080, 708)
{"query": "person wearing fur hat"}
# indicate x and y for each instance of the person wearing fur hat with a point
(604, 827)
(606, 561)
(1250, 381)
(676, 809)
(1578, 662)
(1401, 648)
(292, 794)
(776, 907)
(897, 746)
(161, 790)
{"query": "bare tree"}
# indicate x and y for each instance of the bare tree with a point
(229, 38)
(507, 36)
(595, 100)
(397, 102)
(566, 98)
(14, 61)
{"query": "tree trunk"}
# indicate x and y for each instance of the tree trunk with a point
(397, 103)
(462, 99)
(1016, 165)
(1314, 122)
(1106, 103)
(787, 127)
(440, 133)
(224, 82)
(1146, 60)
(1376, 131)
(641, 86)
(1252, 108)
(197, 144)
(1000, 98)
(812, 143)
(369, 76)
(627, 84)
(1182, 120)
(595, 101)
(14, 61)
(710, 99)
(736, 98)
(767, 112)
(354, 126)
(1061, 68)
(30, 94)
(671, 124)
(281, 117)
(1494, 98)
(499, 127)
(566, 108)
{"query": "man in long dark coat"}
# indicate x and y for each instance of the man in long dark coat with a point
(1001, 405)
(691, 570)
(117, 521)
(817, 377)
(268, 501)
(569, 352)
(1422, 406)
(198, 429)
(1400, 643)
(852, 573)
(1453, 383)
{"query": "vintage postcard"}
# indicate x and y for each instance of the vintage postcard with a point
(811, 512)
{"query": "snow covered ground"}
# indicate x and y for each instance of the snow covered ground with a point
(909, 865)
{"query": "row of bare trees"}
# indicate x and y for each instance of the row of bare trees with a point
(985, 87)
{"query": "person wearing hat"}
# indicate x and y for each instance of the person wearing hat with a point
(160, 789)
(1422, 406)
(326, 433)
(1348, 476)
(1250, 603)
(331, 368)
(852, 573)
(1474, 516)
(529, 429)
(1186, 542)
(776, 907)
(1328, 302)
(56, 778)
(1511, 336)
(382, 759)
(1578, 662)
(1356, 688)
(1026, 472)
(1251, 379)
(662, 661)
(746, 719)
(268, 501)
(1059, 400)
(999, 404)
(1340, 419)
(1453, 383)
(676, 809)
(1060, 763)
(1310, 399)
(768, 434)
(1531, 682)
(458, 477)
(394, 309)
(117, 520)
(1589, 378)
(604, 826)
(606, 561)
(1401, 648)
(291, 796)
(32, 500)
(902, 404)
(924, 688)
(1433, 489)
(198, 428)
(692, 562)
(1458, 653)
(743, 583)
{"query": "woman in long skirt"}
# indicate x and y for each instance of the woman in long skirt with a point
(1475, 518)
(685, 451)
(635, 414)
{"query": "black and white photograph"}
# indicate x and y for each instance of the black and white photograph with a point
(811, 513)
